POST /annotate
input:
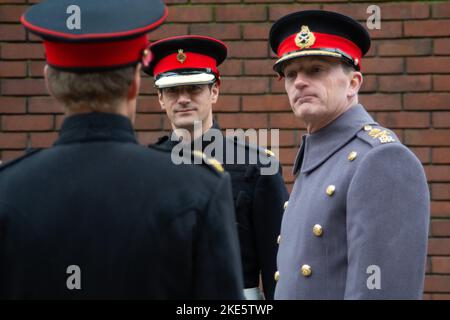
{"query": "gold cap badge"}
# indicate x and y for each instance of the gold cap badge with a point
(181, 56)
(305, 38)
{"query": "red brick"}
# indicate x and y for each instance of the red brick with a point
(148, 86)
(245, 85)
(370, 84)
(278, 11)
(428, 65)
(43, 140)
(441, 10)
(58, 121)
(265, 103)
(190, 14)
(241, 13)
(224, 31)
(391, 11)
(12, 32)
(12, 1)
(215, 1)
(439, 246)
(440, 155)
(23, 87)
(404, 83)
(442, 46)
(36, 68)
(441, 120)
(429, 28)
(437, 284)
(287, 155)
(404, 47)
(288, 138)
(44, 105)
(381, 102)
(277, 86)
(259, 67)
(12, 69)
(286, 121)
(150, 137)
(242, 121)
(256, 31)
(440, 209)
(427, 137)
(149, 104)
(168, 30)
(148, 122)
(440, 296)
(271, 1)
(392, 29)
(437, 173)
(440, 191)
(440, 228)
(22, 51)
(247, 49)
(422, 153)
(427, 296)
(404, 119)
(426, 101)
(13, 140)
(12, 105)
(227, 103)
(441, 83)
(11, 13)
(383, 65)
(27, 123)
(231, 67)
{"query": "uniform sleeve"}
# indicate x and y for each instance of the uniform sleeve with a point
(387, 226)
(217, 266)
(270, 196)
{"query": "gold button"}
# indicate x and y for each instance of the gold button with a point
(286, 205)
(352, 155)
(330, 190)
(277, 276)
(306, 270)
(317, 230)
(279, 239)
(367, 127)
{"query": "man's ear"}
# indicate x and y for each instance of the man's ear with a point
(133, 90)
(356, 81)
(160, 98)
(47, 82)
(214, 92)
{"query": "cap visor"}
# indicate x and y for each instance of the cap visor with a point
(181, 80)
(298, 54)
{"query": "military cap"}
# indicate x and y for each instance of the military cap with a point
(184, 60)
(86, 35)
(318, 33)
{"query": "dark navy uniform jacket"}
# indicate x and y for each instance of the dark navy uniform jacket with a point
(135, 224)
(356, 224)
(259, 201)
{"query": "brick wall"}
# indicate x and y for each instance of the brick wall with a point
(406, 87)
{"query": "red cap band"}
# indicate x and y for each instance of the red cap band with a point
(192, 61)
(95, 54)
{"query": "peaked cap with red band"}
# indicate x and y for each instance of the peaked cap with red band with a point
(185, 60)
(87, 35)
(318, 33)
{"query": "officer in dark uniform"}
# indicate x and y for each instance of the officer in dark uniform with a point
(186, 75)
(97, 215)
(357, 221)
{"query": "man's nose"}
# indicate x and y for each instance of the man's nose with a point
(183, 97)
(301, 80)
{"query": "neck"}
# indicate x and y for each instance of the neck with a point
(316, 126)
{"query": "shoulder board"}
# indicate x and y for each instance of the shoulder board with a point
(376, 135)
(28, 153)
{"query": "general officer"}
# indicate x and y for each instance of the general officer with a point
(97, 216)
(187, 78)
(357, 219)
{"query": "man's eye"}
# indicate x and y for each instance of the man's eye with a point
(291, 75)
(316, 69)
(171, 90)
(195, 88)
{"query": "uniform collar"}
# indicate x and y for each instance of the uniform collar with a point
(318, 147)
(96, 126)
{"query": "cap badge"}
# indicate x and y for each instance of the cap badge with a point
(305, 38)
(181, 56)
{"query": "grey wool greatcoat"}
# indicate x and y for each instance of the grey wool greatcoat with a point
(356, 225)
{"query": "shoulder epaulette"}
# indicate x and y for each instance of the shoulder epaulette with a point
(251, 147)
(376, 135)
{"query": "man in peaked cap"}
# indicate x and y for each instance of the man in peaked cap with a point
(84, 219)
(187, 79)
(357, 220)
